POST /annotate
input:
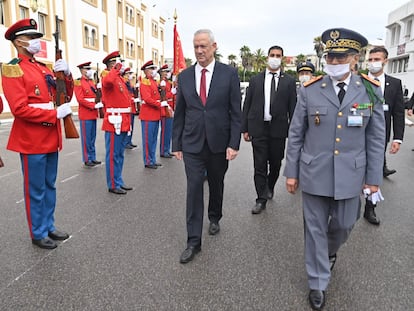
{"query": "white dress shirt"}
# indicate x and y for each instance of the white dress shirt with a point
(267, 82)
(209, 75)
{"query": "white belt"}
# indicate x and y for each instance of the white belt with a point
(91, 100)
(119, 110)
(45, 106)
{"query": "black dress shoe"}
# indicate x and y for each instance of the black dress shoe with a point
(270, 194)
(96, 162)
(317, 299)
(169, 156)
(133, 145)
(58, 235)
(158, 164)
(45, 243)
(126, 188)
(332, 261)
(214, 228)
(370, 214)
(387, 172)
(117, 191)
(189, 253)
(129, 147)
(258, 208)
(151, 166)
(89, 163)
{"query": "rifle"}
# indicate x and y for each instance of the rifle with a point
(137, 95)
(98, 96)
(69, 125)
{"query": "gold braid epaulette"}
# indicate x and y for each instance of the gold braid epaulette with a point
(11, 71)
(369, 79)
(104, 73)
(146, 81)
(313, 80)
(77, 82)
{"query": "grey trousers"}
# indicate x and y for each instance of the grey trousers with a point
(328, 223)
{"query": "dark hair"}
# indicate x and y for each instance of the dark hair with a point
(379, 49)
(275, 47)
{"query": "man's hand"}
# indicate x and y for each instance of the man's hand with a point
(231, 154)
(394, 147)
(410, 112)
(372, 188)
(246, 137)
(178, 155)
(292, 185)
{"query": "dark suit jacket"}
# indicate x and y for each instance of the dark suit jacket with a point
(393, 96)
(218, 121)
(281, 108)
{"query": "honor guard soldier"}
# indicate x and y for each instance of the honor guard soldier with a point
(128, 76)
(150, 114)
(85, 92)
(116, 123)
(167, 93)
(335, 152)
(305, 71)
(30, 90)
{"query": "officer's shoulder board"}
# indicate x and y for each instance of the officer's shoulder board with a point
(77, 82)
(312, 81)
(369, 79)
(146, 81)
(12, 69)
(104, 73)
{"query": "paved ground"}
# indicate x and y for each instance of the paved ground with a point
(123, 251)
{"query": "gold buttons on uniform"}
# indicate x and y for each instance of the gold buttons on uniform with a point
(340, 114)
(339, 126)
(337, 139)
(336, 152)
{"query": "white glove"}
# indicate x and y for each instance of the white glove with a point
(63, 110)
(174, 78)
(164, 103)
(61, 65)
(162, 83)
(98, 105)
(137, 100)
(99, 85)
(137, 85)
(174, 90)
(374, 197)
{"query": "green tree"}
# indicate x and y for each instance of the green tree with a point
(300, 58)
(246, 57)
(259, 60)
(318, 46)
(232, 60)
(217, 55)
(188, 62)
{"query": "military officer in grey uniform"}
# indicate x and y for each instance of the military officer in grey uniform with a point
(335, 150)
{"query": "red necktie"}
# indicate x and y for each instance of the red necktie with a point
(203, 92)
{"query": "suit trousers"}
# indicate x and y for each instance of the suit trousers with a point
(196, 165)
(328, 223)
(268, 153)
(39, 179)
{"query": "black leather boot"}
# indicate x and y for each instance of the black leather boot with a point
(369, 213)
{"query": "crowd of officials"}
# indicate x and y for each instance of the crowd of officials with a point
(337, 128)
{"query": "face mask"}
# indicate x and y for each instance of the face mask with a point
(130, 77)
(169, 75)
(34, 46)
(274, 62)
(90, 73)
(303, 79)
(336, 72)
(375, 67)
(154, 74)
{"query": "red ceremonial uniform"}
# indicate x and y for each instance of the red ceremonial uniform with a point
(115, 95)
(150, 96)
(1, 105)
(85, 94)
(168, 96)
(36, 129)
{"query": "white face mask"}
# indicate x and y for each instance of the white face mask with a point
(169, 75)
(337, 72)
(303, 79)
(154, 74)
(274, 62)
(34, 46)
(375, 67)
(89, 73)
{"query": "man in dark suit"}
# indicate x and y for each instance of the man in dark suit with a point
(267, 110)
(393, 111)
(206, 134)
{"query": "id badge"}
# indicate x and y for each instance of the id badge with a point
(355, 121)
(385, 107)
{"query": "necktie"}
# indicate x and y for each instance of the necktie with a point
(272, 87)
(203, 92)
(341, 93)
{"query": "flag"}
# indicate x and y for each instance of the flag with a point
(179, 61)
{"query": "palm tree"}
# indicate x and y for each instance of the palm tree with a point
(217, 55)
(232, 60)
(259, 60)
(246, 57)
(319, 47)
(300, 58)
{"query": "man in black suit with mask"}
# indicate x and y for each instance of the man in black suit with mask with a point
(267, 110)
(393, 107)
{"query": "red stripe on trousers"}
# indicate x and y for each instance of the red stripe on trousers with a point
(27, 192)
(111, 159)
